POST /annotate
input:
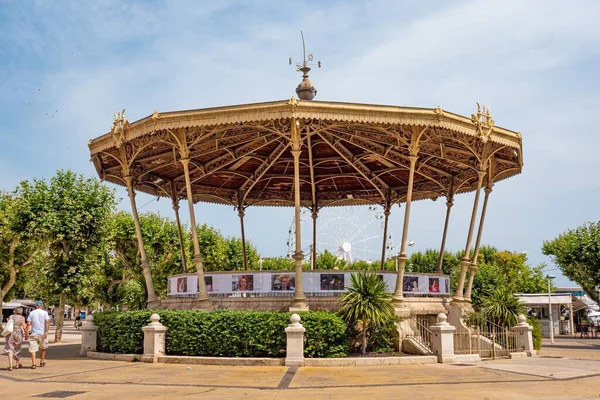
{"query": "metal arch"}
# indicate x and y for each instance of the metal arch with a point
(267, 163)
(392, 134)
(361, 168)
(222, 161)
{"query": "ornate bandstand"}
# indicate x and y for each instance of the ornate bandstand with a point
(313, 154)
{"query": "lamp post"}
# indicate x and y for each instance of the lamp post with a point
(550, 277)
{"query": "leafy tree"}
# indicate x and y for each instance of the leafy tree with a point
(327, 260)
(278, 263)
(235, 256)
(161, 241)
(69, 213)
(213, 247)
(367, 303)
(577, 254)
(17, 250)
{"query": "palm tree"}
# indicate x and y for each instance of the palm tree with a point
(501, 307)
(368, 302)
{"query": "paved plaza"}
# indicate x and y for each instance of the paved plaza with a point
(569, 369)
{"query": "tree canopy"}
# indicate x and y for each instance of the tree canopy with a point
(577, 254)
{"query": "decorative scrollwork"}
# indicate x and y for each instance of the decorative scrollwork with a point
(483, 122)
(119, 128)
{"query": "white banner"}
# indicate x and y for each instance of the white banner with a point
(284, 281)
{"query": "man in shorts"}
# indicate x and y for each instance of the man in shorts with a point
(38, 322)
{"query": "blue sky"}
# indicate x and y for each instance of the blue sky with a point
(66, 66)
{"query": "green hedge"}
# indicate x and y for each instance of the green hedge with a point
(223, 333)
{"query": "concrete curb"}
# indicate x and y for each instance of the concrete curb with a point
(114, 357)
(235, 361)
(272, 362)
(368, 361)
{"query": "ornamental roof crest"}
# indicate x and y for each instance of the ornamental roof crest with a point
(119, 127)
(483, 122)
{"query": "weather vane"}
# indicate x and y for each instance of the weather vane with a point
(305, 90)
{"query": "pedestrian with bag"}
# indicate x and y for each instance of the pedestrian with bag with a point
(14, 333)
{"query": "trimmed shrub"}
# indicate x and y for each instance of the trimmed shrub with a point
(222, 333)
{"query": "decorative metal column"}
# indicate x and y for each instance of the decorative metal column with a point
(299, 300)
(313, 261)
(175, 201)
(386, 215)
(138, 231)
(398, 297)
(204, 300)
(449, 204)
(473, 269)
(465, 262)
(241, 213)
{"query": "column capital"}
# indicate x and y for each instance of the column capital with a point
(241, 212)
(449, 203)
(481, 173)
(185, 161)
(315, 215)
(298, 255)
(488, 190)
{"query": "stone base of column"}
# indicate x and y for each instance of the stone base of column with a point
(153, 305)
(457, 311)
(205, 304)
(299, 305)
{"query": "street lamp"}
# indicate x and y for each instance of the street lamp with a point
(550, 277)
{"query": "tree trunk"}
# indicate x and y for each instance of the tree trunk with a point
(12, 278)
(59, 315)
(364, 339)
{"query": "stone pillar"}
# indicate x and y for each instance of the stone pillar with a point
(294, 355)
(524, 337)
(89, 336)
(442, 340)
(154, 339)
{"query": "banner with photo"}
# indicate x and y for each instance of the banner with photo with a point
(285, 281)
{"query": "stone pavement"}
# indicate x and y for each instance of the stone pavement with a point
(553, 375)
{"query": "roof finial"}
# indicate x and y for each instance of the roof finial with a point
(305, 90)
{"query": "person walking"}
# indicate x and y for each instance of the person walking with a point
(12, 348)
(38, 322)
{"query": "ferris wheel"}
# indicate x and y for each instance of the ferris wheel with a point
(352, 233)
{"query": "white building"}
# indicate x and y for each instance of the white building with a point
(562, 303)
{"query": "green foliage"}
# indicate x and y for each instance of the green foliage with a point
(277, 263)
(69, 215)
(577, 254)
(213, 247)
(367, 302)
(328, 260)
(17, 249)
(503, 269)
(121, 332)
(223, 333)
(501, 307)
(235, 255)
